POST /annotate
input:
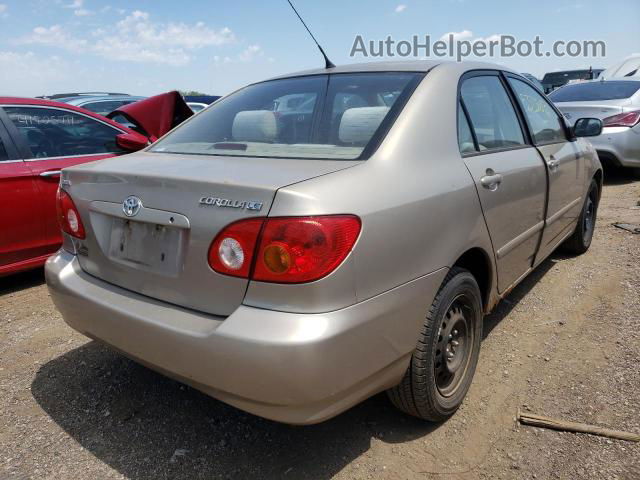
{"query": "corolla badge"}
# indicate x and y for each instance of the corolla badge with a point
(131, 206)
(225, 202)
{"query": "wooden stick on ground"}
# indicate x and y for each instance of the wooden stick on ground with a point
(546, 422)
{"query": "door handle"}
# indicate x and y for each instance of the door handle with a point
(491, 180)
(553, 163)
(51, 173)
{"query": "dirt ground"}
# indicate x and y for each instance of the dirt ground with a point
(565, 343)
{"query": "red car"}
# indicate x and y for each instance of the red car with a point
(38, 138)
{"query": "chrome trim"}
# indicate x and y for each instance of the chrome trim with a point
(146, 215)
(523, 237)
(51, 173)
(2, 162)
(70, 156)
(556, 216)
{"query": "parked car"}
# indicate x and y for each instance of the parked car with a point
(102, 105)
(629, 67)
(293, 266)
(37, 139)
(617, 104)
(197, 106)
(534, 80)
(554, 80)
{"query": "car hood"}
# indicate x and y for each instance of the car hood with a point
(156, 115)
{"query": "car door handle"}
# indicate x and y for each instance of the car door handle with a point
(491, 181)
(51, 173)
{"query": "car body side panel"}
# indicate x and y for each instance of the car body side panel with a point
(514, 211)
(566, 173)
(410, 203)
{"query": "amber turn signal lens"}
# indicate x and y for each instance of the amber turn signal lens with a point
(277, 258)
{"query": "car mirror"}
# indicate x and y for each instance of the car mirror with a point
(132, 142)
(587, 127)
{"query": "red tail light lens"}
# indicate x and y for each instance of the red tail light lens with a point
(68, 215)
(627, 119)
(286, 249)
(304, 249)
(231, 252)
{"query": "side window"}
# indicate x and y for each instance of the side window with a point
(51, 132)
(465, 138)
(3, 152)
(491, 113)
(546, 126)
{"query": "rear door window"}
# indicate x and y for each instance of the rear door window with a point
(545, 124)
(465, 137)
(493, 118)
(51, 132)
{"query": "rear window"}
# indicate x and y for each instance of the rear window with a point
(316, 117)
(594, 91)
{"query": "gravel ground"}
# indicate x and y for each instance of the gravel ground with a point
(565, 343)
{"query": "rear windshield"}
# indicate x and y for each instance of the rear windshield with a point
(316, 117)
(594, 91)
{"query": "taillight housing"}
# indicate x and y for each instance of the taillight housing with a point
(68, 215)
(284, 249)
(627, 119)
(231, 252)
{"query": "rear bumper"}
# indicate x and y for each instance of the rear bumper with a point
(289, 367)
(620, 145)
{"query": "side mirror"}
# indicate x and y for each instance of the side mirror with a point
(587, 127)
(132, 142)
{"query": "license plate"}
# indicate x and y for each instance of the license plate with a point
(152, 246)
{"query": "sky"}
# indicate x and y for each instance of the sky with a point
(148, 47)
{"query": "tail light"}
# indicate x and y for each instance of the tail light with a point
(232, 250)
(68, 215)
(627, 119)
(286, 249)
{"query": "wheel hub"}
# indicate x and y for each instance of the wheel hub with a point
(453, 348)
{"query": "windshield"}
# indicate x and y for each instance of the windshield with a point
(594, 91)
(323, 116)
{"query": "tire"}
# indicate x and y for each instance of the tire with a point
(580, 241)
(428, 389)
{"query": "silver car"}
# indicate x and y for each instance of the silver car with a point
(294, 264)
(617, 104)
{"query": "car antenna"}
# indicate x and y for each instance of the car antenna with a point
(327, 63)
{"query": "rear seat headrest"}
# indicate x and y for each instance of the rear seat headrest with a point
(255, 126)
(358, 125)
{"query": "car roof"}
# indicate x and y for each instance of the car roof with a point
(396, 66)
(81, 100)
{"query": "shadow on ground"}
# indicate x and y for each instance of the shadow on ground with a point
(147, 426)
(20, 281)
(614, 175)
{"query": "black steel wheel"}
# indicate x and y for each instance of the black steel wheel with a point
(580, 241)
(444, 361)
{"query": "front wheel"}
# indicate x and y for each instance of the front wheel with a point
(445, 358)
(580, 241)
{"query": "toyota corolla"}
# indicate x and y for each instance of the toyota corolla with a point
(293, 262)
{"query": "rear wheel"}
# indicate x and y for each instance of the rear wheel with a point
(443, 364)
(580, 241)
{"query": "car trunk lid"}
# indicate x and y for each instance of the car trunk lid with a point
(161, 250)
(575, 110)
